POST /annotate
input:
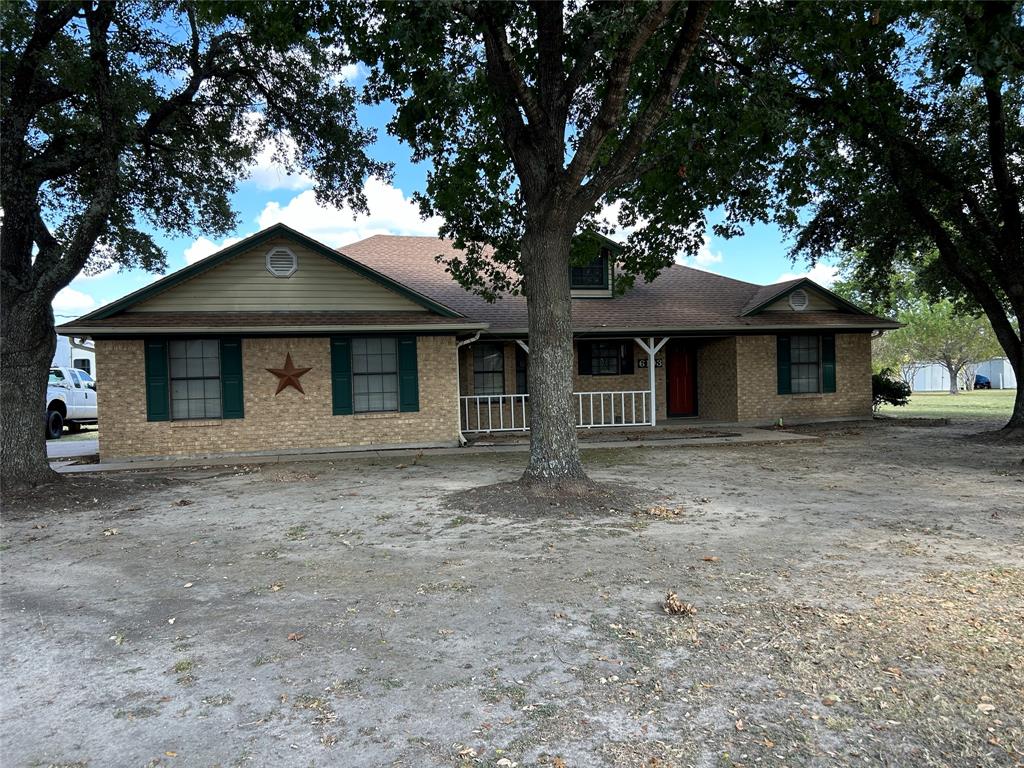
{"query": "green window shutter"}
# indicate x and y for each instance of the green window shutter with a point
(408, 376)
(232, 399)
(828, 362)
(158, 401)
(341, 375)
(586, 364)
(626, 358)
(782, 361)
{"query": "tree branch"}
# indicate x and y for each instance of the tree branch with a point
(1007, 194)
(550, 67)
(976, 283)
(51, 275)
(614, 100)
(501, 55)
(618, 167)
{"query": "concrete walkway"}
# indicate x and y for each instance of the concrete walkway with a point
(737, 436)
(68, 449)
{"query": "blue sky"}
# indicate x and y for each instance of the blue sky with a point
(270, 196)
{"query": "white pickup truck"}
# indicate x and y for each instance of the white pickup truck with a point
(70, 399)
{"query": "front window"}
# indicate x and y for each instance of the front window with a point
(805, 364)
(488, 369)
(195, 379)
(374, 374)
(604, 358)
(592, 275)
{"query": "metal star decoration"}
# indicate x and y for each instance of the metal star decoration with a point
(289, 375)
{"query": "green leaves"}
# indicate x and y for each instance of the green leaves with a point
(183, 95)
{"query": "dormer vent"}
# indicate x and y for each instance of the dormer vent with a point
(282, 262)
(798, 300)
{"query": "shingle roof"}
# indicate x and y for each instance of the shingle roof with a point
(768, 292)
(680, 299)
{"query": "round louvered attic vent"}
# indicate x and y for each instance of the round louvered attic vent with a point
(798, 300)
(281, 262)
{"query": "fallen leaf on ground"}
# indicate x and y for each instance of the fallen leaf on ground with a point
(110, 531)
(295, 636)
(711, 559)
(277, 586)
(187, 584)
(986, 708)
(182, 502)
(676, 607)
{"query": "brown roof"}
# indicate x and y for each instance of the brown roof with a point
(171, 322)
(680, 299)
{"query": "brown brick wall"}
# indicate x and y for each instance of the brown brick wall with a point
(758, 398)
(716, 380)
(286, 421)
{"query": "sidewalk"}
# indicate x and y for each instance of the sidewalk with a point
(737, 436)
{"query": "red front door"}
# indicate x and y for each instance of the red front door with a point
(681, 375)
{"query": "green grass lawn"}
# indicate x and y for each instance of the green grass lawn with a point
(990, 404)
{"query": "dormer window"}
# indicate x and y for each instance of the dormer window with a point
(592, 276)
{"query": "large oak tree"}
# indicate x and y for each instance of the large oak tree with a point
(907, 143)
(535, 115)
(124, 117)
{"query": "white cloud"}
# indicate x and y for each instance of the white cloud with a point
(822, 274)
(705, 257)
(350, 72)
(391, 213)
(266, 172)
(203, 247)
(70, 300)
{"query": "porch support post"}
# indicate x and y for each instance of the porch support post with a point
(652, 349)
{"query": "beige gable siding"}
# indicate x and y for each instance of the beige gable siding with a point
(815, 303)
(243, 284)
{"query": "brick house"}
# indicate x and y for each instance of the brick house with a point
(280, 343)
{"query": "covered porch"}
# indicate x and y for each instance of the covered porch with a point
(619, 382)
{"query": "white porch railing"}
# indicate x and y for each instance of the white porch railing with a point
(511, 413)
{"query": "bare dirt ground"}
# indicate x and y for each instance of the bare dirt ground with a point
(859, 601)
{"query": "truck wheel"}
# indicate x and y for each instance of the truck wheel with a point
(54, 425)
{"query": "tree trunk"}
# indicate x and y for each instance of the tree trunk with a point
(27, 343)
(954, 374)
(554, 449)
(1016, 358)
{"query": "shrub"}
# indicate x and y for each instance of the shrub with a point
(887, 388)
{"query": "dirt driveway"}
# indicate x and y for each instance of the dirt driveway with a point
(860, 601)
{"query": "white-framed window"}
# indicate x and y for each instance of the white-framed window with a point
(805, 364)
(374, 374)
(195, 379)
(488, 369)
(282, 262)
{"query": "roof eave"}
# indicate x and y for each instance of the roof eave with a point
(179, 330)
